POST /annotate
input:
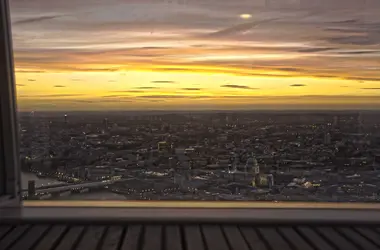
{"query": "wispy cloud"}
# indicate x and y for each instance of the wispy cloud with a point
(51, 95)
(35, 19)
(28, 71)
(190, 89)
(163, 81)
(147, 88)
(128, 91)
(20, 85)
(31, 80)
(371, 89)
(83, 101)
(115, 100)
(235, 86)
(363, 79)
(175, 96)
(163, 96)
(239, 28)
(59, 86)
(117, 96)
(297, 85)
(312, 50)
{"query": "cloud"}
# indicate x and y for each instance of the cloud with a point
(116, 96)
(59, 86)
(297, 85)
(235, 86)
(290, 69)
(312, 50)
(174, 97)
(348, 21)
(128, 91)
(344, 86)
(115, 100)
(363, 79)
(371, 88)
(239, 28)
(36, 19)
(20, 85)
(28, 71)
(156, 100)
(163, 96)
(52, 95)
(31, 80)
(147, 88)
(76, 80)
(359, 52)
(355, 40)
(163, 81)
(83, 101)
(191, 89)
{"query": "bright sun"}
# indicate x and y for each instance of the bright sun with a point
(245, 16)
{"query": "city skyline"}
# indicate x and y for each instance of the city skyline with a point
(96, 55)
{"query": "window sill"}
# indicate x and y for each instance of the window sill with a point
(188, 212)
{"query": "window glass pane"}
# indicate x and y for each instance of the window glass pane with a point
(199, 99)
(2, 167)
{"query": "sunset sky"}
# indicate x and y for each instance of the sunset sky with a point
(195, 54)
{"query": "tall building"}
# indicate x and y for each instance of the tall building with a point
(360, 124)
(335, 121)
(270, 181)
(327, 139)
(256, 167)
(65, 118)
(31, 189)
(105, 123)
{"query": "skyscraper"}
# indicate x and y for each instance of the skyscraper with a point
(105, 123)
(360, 123)
(335, 122)
(327, 138)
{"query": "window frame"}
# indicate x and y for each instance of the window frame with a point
(9, 138)
(10, 171)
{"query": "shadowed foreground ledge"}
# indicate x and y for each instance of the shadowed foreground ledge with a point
(187, 236)
(189, 225)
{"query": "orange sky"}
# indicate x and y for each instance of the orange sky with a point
(150, 54)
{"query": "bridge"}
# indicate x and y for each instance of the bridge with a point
(60, 189)
(44, 187)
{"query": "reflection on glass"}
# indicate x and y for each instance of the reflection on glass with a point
(199, 100)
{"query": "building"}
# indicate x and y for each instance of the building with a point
(105, 124)
(327, 139)
(31, 189)
(163, 146)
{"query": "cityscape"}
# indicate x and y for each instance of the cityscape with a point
(265, 100)
(330, 156)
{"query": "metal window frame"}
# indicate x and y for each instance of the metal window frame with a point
(9, 138)
(11, 173)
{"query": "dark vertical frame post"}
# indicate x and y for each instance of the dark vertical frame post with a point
(9, 139)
